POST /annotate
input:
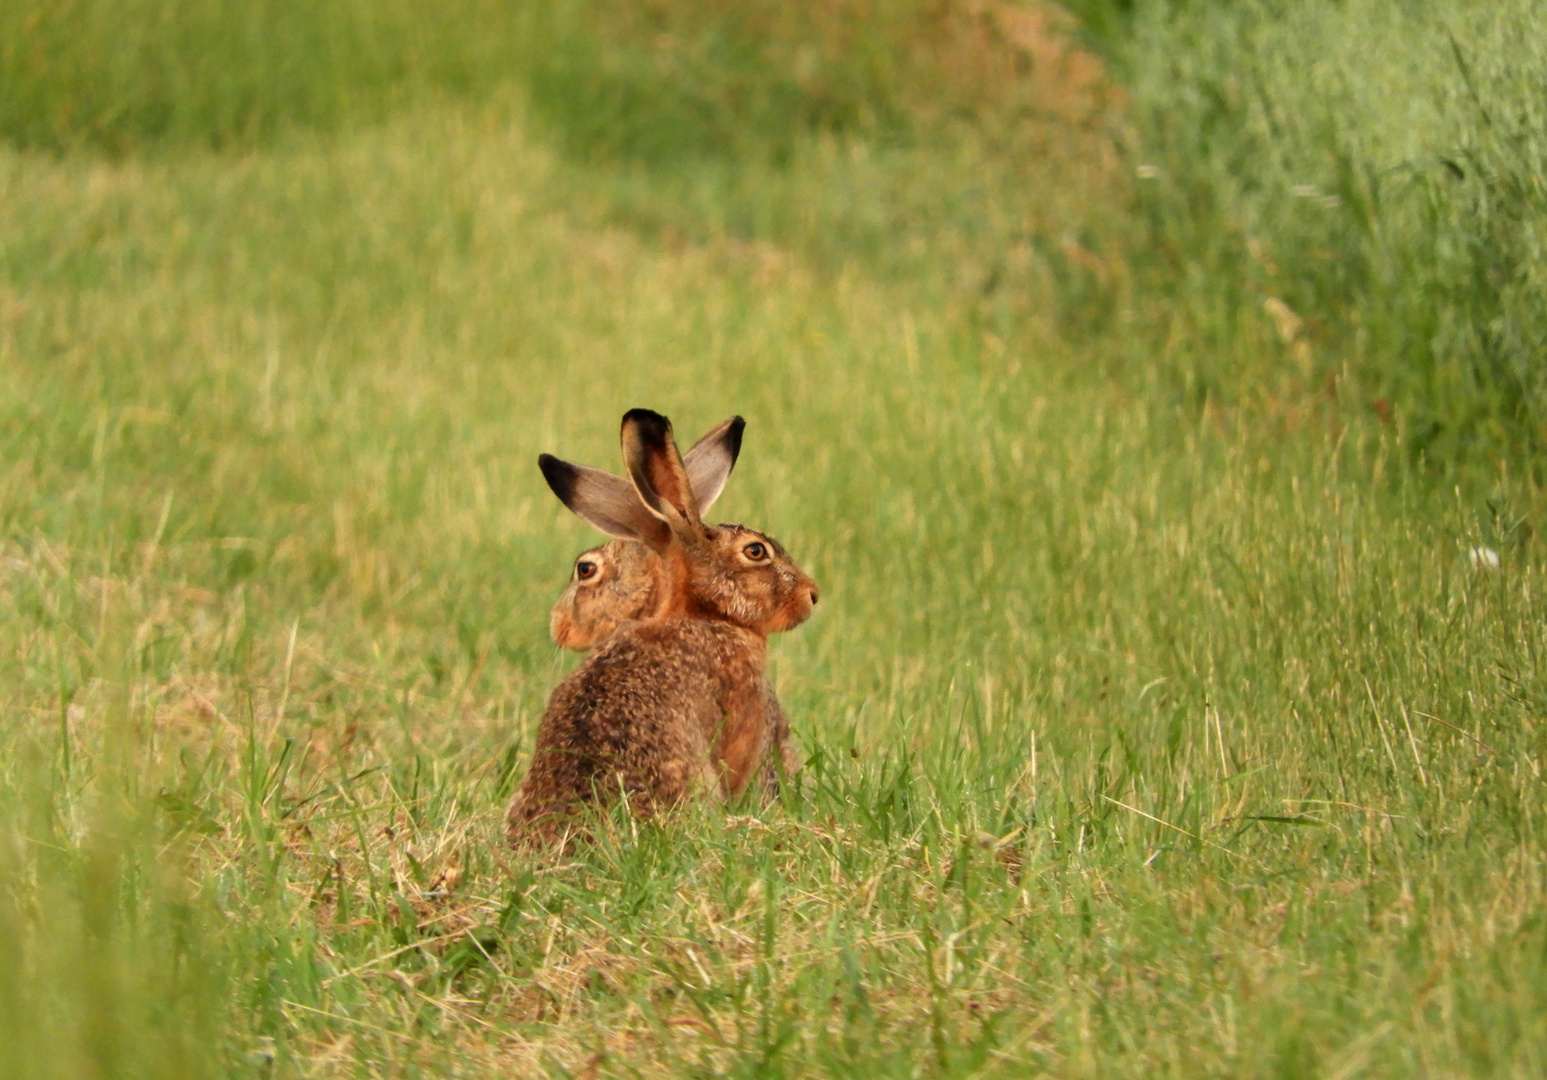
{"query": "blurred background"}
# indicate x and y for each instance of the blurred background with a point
(1369, 168)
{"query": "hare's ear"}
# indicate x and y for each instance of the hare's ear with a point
(710, 460)
(655, 467)
(605, 501)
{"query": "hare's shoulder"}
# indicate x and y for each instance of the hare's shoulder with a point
(661, 653)
(667, 652)
(710, 636)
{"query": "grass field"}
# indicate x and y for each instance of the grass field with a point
(1160, 718)
(1376, 166)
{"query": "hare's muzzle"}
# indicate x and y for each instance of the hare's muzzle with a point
(796, 608)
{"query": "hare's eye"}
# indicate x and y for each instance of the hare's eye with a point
(755, 551)
(585, 570)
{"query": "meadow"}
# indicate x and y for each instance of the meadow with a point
(1174, 703)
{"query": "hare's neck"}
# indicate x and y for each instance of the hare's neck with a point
(681, 597)
(674, 597)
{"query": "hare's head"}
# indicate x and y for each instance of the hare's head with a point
(724, 572)
(621, 581)
(612, 584)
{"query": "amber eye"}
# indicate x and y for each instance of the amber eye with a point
(755, 551)
(585, 570)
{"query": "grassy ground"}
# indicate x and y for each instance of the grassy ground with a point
(1147, 732)
(1374, 166)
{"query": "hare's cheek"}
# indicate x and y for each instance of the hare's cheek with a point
(790, 614)
(567, 634)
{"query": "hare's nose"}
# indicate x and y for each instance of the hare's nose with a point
(813, 594)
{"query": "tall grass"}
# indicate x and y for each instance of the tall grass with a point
(663, 82)
(108, 952)
(1368, 171)
(653, 81)
(131, 74)
(1374, 168)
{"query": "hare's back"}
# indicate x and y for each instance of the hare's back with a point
(639, 688)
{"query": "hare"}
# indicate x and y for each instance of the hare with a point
(622, 581)
(677, 701)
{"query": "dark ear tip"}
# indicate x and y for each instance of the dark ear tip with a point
(733, 437)
(653, 428)
(560, 474)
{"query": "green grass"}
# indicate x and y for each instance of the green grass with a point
(1148, 731)
(127, 75)
(1377, 167)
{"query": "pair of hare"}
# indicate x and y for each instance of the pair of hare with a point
(676, 614)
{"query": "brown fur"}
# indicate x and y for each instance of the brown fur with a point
(677, 702)
(620, 582)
